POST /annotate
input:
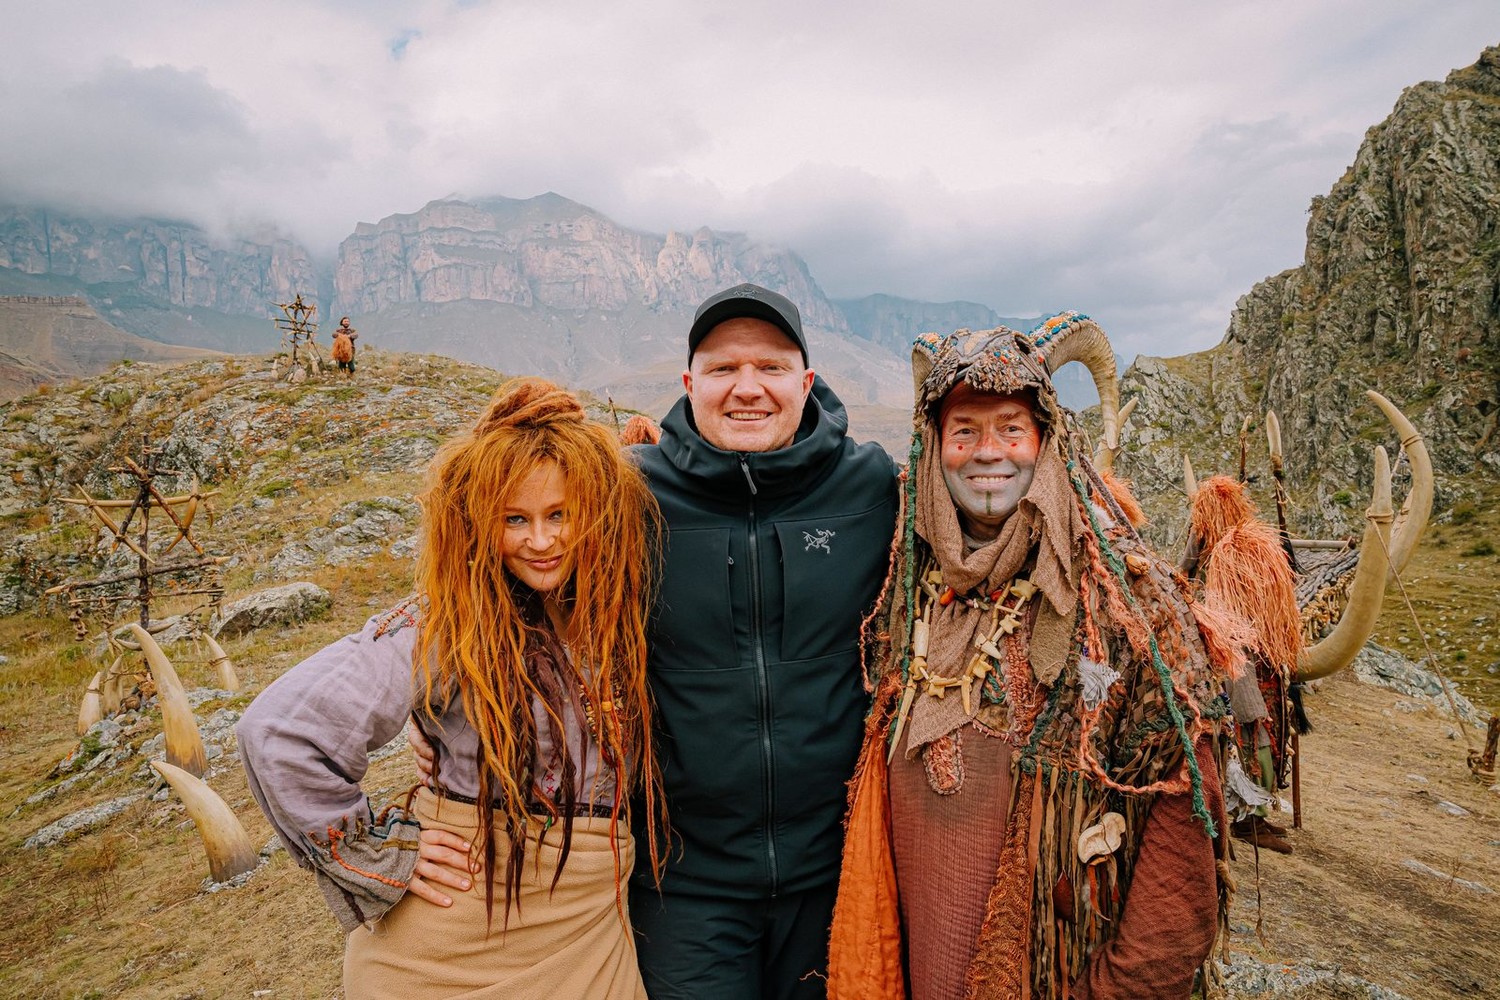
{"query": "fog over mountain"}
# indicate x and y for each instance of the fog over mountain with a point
(1143, 165)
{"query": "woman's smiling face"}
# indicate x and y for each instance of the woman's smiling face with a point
(535, 544)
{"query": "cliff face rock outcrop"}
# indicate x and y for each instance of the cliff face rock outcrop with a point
(1399, 292)
(549, 286)
(174, 263)
(893, 323)
(553, 253)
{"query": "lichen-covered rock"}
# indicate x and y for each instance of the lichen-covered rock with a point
(83, 821)
(1399, 291)
(1247, 977)
(286, 605)
(1377, 665)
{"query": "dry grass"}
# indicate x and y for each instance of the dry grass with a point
(1372, 777)
(1454, 586)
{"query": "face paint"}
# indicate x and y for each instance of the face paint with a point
(989, 450)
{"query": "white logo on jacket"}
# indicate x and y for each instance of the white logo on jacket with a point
(818, 540)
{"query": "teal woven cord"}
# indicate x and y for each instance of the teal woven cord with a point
(1163, 675)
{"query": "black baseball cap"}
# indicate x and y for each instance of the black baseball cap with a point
(750, 301)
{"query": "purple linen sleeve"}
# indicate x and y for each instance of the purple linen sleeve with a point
(305, 745)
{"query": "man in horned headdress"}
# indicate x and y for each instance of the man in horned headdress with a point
(1036, 804)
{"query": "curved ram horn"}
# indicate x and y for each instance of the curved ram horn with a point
(1337, 649)
(228, 679)
(184, 742)
(1417, 507)
(91, 711)
(1081, 339)
(1104, 457)
(228, 846)
(1189, 481)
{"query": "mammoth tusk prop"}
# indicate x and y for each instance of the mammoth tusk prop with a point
(228, 679)
(1189, 481)
(228, 846)
(110, 695)
(1417, 507)
(91, 711)
(185, 523)
(1337, 649)
(1273, 435)
(184, 742)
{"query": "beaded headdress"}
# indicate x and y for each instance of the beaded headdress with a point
(1005, 361)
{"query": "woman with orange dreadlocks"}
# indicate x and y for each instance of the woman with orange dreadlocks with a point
(522, 658)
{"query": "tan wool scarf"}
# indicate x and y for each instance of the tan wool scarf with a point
(1046, 522)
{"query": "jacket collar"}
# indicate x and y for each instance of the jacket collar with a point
(760, 473)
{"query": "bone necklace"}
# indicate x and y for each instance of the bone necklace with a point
(1005, 605)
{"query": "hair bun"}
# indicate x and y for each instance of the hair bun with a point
(528, 403)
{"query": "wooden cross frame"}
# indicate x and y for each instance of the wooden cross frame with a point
(154, 578)
(299, 332)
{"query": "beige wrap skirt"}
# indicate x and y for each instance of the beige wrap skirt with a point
(568, 942)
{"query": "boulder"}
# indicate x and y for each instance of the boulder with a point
(287, 605)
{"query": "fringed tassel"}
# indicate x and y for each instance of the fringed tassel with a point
(1225, 634)
(1121, 490)
(1248, 573)
(1119, 589)
(1220, 504)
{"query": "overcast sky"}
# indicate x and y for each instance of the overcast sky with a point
(1144, 162)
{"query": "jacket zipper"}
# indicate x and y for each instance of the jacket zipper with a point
(763, 682)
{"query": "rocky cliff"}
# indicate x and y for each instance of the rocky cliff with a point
(550, 286)
(894, 322)
(1399, 291)
(172, 262)
(553, 253)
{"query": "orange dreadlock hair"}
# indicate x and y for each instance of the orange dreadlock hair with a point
(1248, 573)
(1121, 489)
(1220, 504)
(484, 635)
(640, 429)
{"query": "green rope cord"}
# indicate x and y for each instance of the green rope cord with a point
(1039, 729)
(908, 560)
(909, 551)
(1163, 675)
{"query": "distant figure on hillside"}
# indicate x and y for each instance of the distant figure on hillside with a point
(640, 429)
(343, 345)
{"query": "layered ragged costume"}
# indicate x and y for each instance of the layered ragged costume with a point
(1037, 803)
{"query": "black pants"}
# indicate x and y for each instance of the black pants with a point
(704, 948)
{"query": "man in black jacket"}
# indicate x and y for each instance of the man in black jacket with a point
(778, 537)
(778, 534)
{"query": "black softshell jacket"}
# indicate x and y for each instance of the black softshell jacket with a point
(771, 561)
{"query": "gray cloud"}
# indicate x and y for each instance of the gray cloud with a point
(1144, 164)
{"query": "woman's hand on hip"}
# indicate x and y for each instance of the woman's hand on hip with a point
(421, 752)
(442, 859)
